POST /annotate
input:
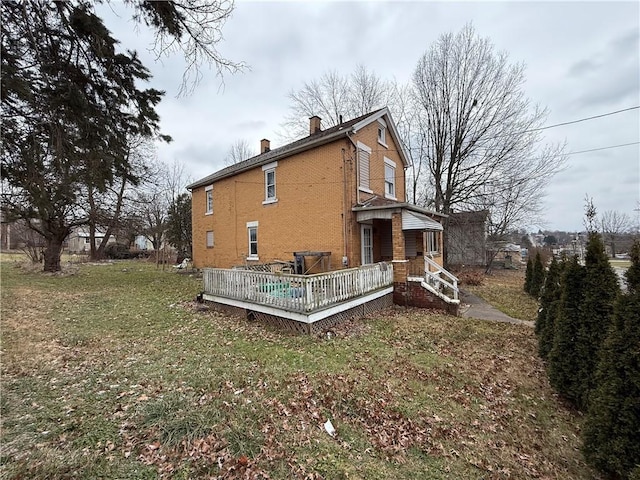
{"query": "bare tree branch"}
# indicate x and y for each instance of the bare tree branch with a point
(240, 150)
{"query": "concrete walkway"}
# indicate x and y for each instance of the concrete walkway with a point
(472, 306)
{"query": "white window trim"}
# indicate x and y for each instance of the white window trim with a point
(270, 167)
(207, 189)
(436, 242)
(251, 225)
(391, 163)
(362, 146)
(383, 125)
(363, 249)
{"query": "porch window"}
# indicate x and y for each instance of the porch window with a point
(367, 244)
(252, 230)
(433, 242)
(364, 154)
(389, 179)
(209, 199)
(270, 183)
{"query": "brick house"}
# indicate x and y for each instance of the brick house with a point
(336, 198)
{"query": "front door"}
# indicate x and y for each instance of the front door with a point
(366, 235)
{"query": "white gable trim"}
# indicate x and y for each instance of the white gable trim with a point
(391, 129)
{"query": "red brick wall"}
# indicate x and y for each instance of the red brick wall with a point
(413, 294)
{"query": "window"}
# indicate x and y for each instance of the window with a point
(252, 230)
(209, 199)
(433, 242)
(210, 239)
(367, 244)
(364, 153)
(382, 132)
(389, 179)
(270, 183)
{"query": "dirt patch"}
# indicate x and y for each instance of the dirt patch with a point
(28, 328)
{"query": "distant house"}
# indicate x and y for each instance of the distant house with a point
(78, 240)
(467, 238)
(508, 255)
(330, 201)
(142, 243)
(16, 235)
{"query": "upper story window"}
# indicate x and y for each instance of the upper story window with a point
(270, 183)
(364, 155)
(389, 179)
(208, 191)
(382, 132)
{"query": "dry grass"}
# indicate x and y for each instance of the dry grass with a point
(504, 290)
(115, 373)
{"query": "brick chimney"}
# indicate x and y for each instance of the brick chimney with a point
(265, 145)
(314, 124)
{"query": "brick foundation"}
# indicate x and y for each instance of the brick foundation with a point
(413, 294)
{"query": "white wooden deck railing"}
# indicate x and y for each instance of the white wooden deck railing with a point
(297, 293)
(433, 276)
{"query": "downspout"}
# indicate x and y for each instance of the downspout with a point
(355, 147)
(345, 241)
(347, 212)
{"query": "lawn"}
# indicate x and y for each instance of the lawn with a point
(504, 289)
(113, 372)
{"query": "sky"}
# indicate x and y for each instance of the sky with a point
(582, 59)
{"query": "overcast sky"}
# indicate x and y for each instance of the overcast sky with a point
(582, 59)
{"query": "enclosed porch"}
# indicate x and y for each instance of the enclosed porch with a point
(411, 239)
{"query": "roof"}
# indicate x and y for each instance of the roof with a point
(466, 217)
(378, 203)
(311, 141)
(418, 221)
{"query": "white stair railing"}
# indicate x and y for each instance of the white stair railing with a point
(433, 277)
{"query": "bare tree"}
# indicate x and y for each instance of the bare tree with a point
(411, 129)
(154, 200)
(481, 131)
(192, 28)
(239, 151)
(333, 96)
(105, 207)
(613, 224)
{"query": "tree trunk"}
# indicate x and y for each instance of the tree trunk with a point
(92, 241)
(52, 254)
(445, 242)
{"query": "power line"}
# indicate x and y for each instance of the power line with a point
(244, 182)
(604, 148)
(583, 119)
